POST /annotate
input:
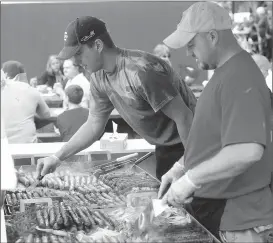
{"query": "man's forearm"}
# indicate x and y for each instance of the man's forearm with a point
(184, 130)
(231, 161)
(85, 137)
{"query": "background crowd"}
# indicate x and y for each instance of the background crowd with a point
(68, 81)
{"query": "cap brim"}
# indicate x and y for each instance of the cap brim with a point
(178, 39)
(68, 52)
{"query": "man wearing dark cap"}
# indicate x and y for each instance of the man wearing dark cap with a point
(148, 94)
(228, 157)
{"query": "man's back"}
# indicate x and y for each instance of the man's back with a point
(19, 103)
(70, 121)
(139, 88)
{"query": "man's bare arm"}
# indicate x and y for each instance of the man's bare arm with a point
(177, 110)
(231, 161)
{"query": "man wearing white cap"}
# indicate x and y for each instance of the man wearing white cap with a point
(227, 165)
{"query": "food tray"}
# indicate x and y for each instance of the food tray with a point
(85, 168)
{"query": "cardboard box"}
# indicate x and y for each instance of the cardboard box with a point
(113, 141)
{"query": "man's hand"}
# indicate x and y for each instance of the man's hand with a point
(47, 165)
(180, 192)
(170, 177)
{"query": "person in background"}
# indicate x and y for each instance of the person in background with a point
(225, 173)
(8, 175)
(264, 32)
(146, 91)
(265, 68)
(74, 73)
(53, 73)
(69, 122)
(163, 52)
(19, 104)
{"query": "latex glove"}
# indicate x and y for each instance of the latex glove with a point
(47, 165)
(180, 192)
(171, 176)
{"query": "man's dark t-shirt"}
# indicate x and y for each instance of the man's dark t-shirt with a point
(70, 121)
(235, 108)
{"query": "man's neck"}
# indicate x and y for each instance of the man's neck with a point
(227, 53)
(110, 60)
(73, 106)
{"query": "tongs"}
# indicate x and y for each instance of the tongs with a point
(117, 163)
(35, 183)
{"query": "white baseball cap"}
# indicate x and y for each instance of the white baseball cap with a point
(199, 17)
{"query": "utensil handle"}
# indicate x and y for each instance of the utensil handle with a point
(165, 190)
(129, 156)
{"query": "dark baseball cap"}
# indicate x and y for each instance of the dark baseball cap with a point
(79, 32)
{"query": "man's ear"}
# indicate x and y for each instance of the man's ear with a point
(213, 36)
(98, 45)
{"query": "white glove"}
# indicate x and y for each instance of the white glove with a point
(171, 176)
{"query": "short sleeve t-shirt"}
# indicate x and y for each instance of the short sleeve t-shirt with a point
(19, 103)
(82, 81)
(70, 121)
(139, 87)
(235, 108)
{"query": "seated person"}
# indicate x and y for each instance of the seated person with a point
(265, 67)
(74, 73)
(162, 51)
(19, 104)
(72, 119)
(53, 73)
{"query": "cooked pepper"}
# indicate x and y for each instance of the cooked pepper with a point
(89, 215)
(59, 218)
(35, 194)
(46, 220)
(88, 180)
(89, 198)
(61, 239)
(77, 181)
(56, 226)
(37, 239)
(14, 199)
(63, 213)
(83, 180)
(82, 190)
(103, 219)
(107, 219)
(29, 238)
(72, 183)
(29, 195)
(9, 199)
(20, 240)
(50, 183)
(24, 180)
(24, 196)
(73, 215)
(60, 183)
(55, 183)
(78, 199)
(45, 238)
(66, 182)
(52, 217)
(83, 217)
(40, 219)
(97, 220)
(83, 199)
(53, 238)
